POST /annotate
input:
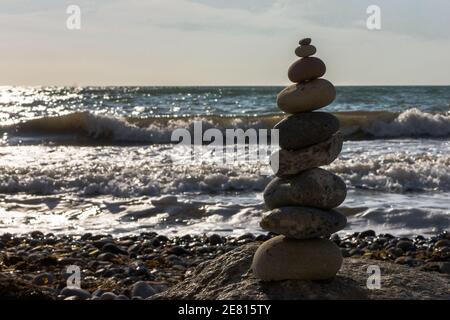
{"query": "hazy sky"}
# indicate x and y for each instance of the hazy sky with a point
(208, 42)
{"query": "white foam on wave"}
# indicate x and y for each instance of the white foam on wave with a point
(153, 170)
(395, 172)
(118, 171)
(412, 123)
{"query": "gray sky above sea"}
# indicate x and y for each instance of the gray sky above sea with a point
(221, 42)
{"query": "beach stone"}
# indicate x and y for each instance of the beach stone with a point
(43, 279)
(287, 163)
(142, 289)
(442, 243)
(214, 239)
(306, 129)
(305, 51)
(305, 42)
(366, 233)
(444, 267)
(282, 258)
(316, 188)
(75, 291)
(405, 245)
(308, 68)
(108, 296)
(303, 222)
(305, 97)
(112, 248)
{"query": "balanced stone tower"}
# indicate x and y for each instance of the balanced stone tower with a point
(302, 196)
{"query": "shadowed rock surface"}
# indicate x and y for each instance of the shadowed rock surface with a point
(229, 277)
(12, 288)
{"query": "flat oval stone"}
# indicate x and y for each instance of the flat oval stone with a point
(282, 258)
(316, 188)
(303, 222)
(308, 68)
(287, 163)
(306, 129)
(308, 96)
(305, 51)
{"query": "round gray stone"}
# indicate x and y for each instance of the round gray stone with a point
(303, 222)
(287, 163)
(108, 296)
(142, 289)
(282, 258)
(316, 188)
(306, 129)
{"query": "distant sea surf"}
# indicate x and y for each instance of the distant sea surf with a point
(100, 159)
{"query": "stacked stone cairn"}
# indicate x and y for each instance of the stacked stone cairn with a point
(302, 196)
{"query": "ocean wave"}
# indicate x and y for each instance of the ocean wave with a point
(395, 172)
(412, 123)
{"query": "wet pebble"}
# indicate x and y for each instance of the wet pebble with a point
(367, 233)
(112, 248)
(74, 291)
(442, 243)
(142, 289)
(215, 239)
(43, 279)
(177, 250)
(405, 245)
(108, 296)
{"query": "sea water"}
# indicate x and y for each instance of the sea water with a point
(101, 159)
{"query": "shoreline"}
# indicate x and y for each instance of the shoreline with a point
(34, 265)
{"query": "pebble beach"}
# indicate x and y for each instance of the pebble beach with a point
(34, 265)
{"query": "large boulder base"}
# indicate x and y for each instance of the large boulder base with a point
(229, 277)
(283, 258)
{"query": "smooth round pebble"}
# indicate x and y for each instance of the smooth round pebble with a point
(142, 289)
(108, 296)
(43, 279)
(308, 68)
(75, 291)
(305, 97)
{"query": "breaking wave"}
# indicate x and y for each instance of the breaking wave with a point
(89, 127)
